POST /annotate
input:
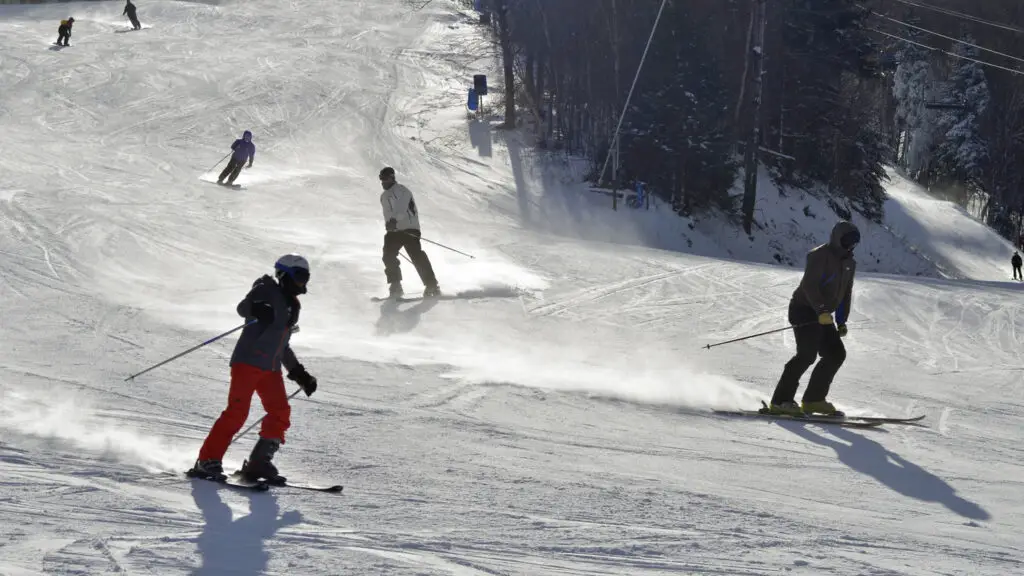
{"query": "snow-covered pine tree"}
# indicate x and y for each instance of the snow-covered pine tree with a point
(962, 152)
(914, 86)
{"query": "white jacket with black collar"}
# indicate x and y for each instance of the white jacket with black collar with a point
(398, 204)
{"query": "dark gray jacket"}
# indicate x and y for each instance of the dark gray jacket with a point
(265, 346)
(827, 285)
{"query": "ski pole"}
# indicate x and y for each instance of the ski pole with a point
(441, 245)
(218, 162)
(192, 349)
(253, 425)
(710, 346)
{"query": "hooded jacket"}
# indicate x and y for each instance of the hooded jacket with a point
(397, 203)
(266, 346)
(1016, 260)
(244, 148)
(827, 285)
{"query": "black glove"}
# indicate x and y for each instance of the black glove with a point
(391, 225)
(263, 312)
(842, 330)
(304, 379)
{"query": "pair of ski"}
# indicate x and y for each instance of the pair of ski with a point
(236, 480)
(226, 185)
(846, 421)
(413, 298)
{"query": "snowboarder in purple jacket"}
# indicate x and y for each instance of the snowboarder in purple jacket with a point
(244, 150)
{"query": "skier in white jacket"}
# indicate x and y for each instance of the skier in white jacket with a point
(402, 223)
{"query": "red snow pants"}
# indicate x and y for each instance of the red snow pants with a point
(245, 380)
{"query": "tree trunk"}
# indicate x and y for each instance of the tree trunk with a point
(750, 154)
(505, 38)
(744, 80)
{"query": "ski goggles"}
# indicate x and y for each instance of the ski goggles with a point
(298, 275)
(850, 240)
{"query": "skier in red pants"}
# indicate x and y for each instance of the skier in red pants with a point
(256, 367)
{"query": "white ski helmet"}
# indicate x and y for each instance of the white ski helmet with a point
(293, 269)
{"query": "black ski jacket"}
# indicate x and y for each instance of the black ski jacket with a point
(266, 346)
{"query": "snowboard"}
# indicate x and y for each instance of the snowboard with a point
(233, 481)
(332, 489)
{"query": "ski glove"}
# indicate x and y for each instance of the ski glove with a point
(391, 225)
(842, 330)
(263, 312)
(825, 319)
(304, 379)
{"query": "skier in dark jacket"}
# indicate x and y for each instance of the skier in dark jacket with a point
(256, 364)
(826, 288)
(244, 150)
(129, 10)
(1016, 262)
(64, 32)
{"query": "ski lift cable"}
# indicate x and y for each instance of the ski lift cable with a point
(949, 12)
(982, 62)
(925, 30)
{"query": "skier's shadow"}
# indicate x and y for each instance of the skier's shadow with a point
(872, 459)
(229, 546)
(394, 320)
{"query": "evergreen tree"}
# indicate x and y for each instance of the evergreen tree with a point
(829, 61)
(674, 136)
(913, 87)
(963, 154)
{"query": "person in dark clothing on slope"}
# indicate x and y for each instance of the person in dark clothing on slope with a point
(244, 150)
(826, 288)
(64, 32)
(1016, 262)
(402, 225)
(256, 362)
(129, 10)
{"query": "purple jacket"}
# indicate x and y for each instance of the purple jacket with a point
(244, 148)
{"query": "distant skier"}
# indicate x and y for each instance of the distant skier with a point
(244, 150)
(129, 10)
(826, 287)
(64, 32)
(1016, 262)
(256, 367)
(402, 224)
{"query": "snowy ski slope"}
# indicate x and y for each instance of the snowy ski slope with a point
(557, 422)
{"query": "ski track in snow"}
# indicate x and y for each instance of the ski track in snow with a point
(552, 421)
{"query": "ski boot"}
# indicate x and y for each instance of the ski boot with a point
(395, 290)
(789, 408)
(823, 407)
(208, 470)
(258, 466)
(432, 291)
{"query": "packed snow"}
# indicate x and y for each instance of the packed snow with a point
(552, 418)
